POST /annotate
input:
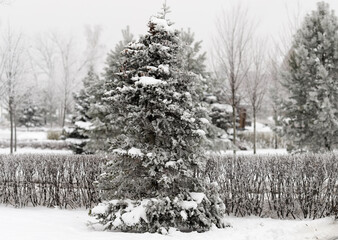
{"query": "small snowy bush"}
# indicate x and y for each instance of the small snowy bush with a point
(53, 135)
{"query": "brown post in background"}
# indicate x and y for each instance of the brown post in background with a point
(242, 117)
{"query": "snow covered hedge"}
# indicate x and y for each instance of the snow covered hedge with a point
(281, 186)
(66, 181)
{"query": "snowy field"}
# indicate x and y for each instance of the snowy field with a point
(55, 224)
(35, 151)
(259, 152)
(31, 136)
(23, 134)
(260, 128)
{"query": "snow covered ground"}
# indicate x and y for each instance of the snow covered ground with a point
(259, 152)
(260, 127)
(35, 151)
(33, 136)
(55, 224)
(23, 134)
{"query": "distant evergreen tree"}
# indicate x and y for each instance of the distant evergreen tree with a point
(92, 131)
(154, 103)
(79, 134)
(310, 114)
(103, 131)
(29, 114)
(192, 58)
(115, 57)
(212, 98)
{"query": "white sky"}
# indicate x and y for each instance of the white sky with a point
(69, 16)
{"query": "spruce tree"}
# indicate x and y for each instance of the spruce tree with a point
(115, 57)
(103, 130)
(310, 114)
(83, 127)
(158, 150)
(29, 115)
(193, 59)
(92, 128)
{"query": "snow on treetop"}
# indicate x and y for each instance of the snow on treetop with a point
(136, 45)
(171, 164)
(151, 68)
(222, 107)
(145, 81)
(200, 132)
(184, 215)
(197, 196)
(130, 216)
(133, 214)
(100, 209)
(76, 140)
(188, 205)
(135, 152)
(164, 68)
(84, 125)
(161, 24)
(204, 121)
(125, 88)
(119, 151)
(211, 99)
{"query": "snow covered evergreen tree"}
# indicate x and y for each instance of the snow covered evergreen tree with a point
(92, 129)
(115, 57)
(103, 129)
(154, 177)
(310, 114)
(29, 115)
(82, 126)
(193, 59)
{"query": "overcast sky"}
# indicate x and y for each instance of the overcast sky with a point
(33, 16)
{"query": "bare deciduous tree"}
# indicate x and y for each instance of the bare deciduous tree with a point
(234, 33)
(255, 83)
(72, 65)
(58, 63)
(65, 48)
(94, 46)
(12, 69)
(276, 91)
(283, 42)
(43, 61)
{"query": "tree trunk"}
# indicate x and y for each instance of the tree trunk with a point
(45, 118)
(64, 109)
(327, 144)
(275, 133)
(15, 135)
(276, 141)
(234, 126)
(51, 119)
(254, 132)
(11, 122)
(64, 115)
